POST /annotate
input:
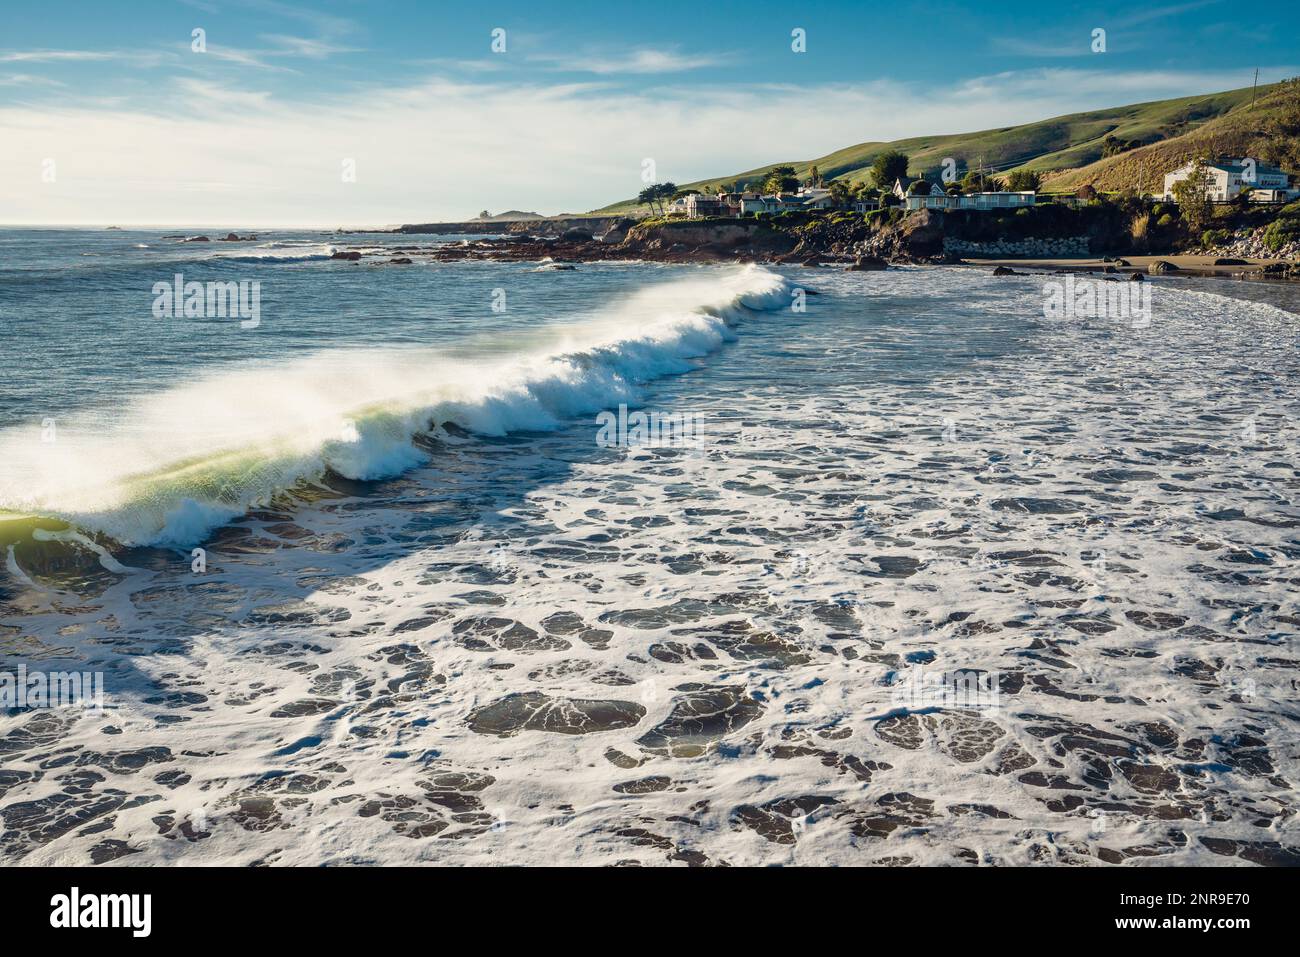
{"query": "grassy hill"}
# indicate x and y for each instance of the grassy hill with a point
(1071, 142)
(1269, 130)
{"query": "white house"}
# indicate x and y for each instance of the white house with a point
(1225, 179)
(814, 197)
(699, 206)
(900, 189)
(999, 200)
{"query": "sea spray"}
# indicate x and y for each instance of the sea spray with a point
(179, 463)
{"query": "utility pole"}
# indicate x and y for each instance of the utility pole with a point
(1254, 86)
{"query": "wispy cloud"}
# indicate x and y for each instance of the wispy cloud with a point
(1077, 41)
(636, 61)
(1106, 87)
(1048, 49)
(209, 94)
(82, 56)
(26, 79)
(443, 149)
(304, 47)
(1146, 15)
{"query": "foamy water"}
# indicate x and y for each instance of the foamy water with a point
(525, 646)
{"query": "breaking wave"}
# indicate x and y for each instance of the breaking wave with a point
(170, 466)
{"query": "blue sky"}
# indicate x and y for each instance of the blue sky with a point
(255, 128)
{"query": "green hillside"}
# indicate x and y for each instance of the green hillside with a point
(1268, 129)
(1060, 143)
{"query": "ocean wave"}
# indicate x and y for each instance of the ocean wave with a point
(278, 252)
(172, 466)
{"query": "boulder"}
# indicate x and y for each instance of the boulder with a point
(1136, 277)
(868, 264)
(1161, 266)
(1229, 261)
(197, 239)
(350, 255)
(576, 235)
(400, 261)
(1005, 271)
(921, 233)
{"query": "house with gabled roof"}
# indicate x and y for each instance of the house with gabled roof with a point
(1226, 178)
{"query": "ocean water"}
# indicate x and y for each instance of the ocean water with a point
(937, 580)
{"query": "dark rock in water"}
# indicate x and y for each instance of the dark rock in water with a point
(1136, 277)
(701, 717)
(1161, 266)
(350, 255)
(868, 264)
(197, 239)
(400, 261)
(1005, 271)
(1122, 262)
(1274, 269)
(1110, 269)
(534, 711)
(231, 238)
(1229, 261)
(576, 235)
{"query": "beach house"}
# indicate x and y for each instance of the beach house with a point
(992, 200)
(1226, 178)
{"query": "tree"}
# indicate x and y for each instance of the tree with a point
(887, 167)
(918, 186)
(815, 178)
(781, 179)
(1112, 145)
(655, 194)
(839, 192)
(1192, 196)
(1022, 180)
(978, 181)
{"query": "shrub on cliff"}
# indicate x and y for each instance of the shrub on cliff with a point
(1285, 229)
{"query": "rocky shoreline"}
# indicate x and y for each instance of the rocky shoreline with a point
(919, 238)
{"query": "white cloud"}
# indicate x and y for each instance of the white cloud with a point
(81, 56)
(305, 47)
(26, 79)
(632, 61)
(443, 150)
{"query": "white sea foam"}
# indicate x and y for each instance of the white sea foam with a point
(836, 531)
